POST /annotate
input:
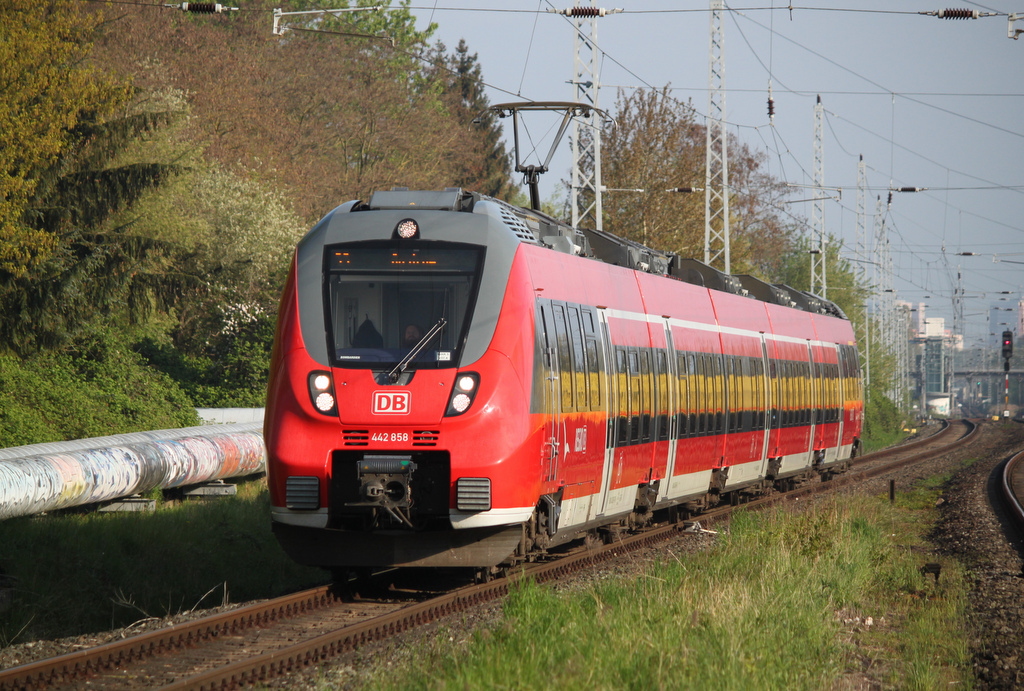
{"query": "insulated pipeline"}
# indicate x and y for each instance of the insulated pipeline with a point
(46, 477)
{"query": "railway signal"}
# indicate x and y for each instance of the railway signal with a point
(1007, 354)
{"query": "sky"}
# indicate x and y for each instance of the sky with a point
(927, 102)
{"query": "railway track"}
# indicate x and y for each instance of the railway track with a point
(1012, 485)
(268, 639)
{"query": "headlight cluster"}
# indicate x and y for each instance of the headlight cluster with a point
(321, 393)
(463, 394)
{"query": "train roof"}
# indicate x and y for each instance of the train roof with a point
(535, 227)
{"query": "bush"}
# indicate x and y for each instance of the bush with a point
(883, 423)
(97, 386)
(231, 371)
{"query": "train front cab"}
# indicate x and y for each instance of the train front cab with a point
(379, 452)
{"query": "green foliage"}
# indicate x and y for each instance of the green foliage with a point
(230, 371)
(94, 387)
(843, 287)
(95, 267)
(46, 89)
(883, 422)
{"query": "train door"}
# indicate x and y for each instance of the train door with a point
(610, 407)
(552, 445)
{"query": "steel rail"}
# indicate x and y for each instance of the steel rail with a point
(80, 665)
(1014, 467)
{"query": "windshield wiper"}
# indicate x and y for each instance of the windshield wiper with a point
(427, 338)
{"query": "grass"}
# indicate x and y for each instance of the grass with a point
(83, 573)
(780, 602)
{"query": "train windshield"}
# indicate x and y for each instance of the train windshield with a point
(390, 300)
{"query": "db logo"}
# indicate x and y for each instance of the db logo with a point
(391, 402)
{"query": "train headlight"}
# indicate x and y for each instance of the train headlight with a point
(407, 229)
(460, 402)
(463, 394)
(321, 392)
(324, 403)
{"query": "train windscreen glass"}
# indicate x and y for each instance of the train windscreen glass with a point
(388, 300)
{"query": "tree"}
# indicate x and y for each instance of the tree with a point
(883, 421)
(322, 117)
(46, 88)
(655, 143)
(485, 166)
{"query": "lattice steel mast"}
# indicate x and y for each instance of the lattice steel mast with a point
(716, 175)
(819, 283)
(585, 143)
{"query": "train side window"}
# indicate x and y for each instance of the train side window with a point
(646, 397)
(633, 416)
(622, 412)
(543, 349)
(711, 392)
(564, 357)
(703, 367)
(743, 407)
(760, 400)
(661, 387)
(719, 387)
(579, 360)
(785, 386)
(589, 326)
(805, 368)
(594, 373)
(595, 367)
(750, 387)
(700, 395)
(732, 395)
(683, 397)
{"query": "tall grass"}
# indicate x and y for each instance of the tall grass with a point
(84, 573)
(780, 602)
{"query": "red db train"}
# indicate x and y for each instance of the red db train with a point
(461, 382)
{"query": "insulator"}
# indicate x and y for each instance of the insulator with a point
(771, 107)
(958, 14)
(202, 7)
(585, 12)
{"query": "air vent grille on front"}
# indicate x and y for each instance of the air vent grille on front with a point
(425, 437)
(302, 493)
(356, 437)
(473, 494)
